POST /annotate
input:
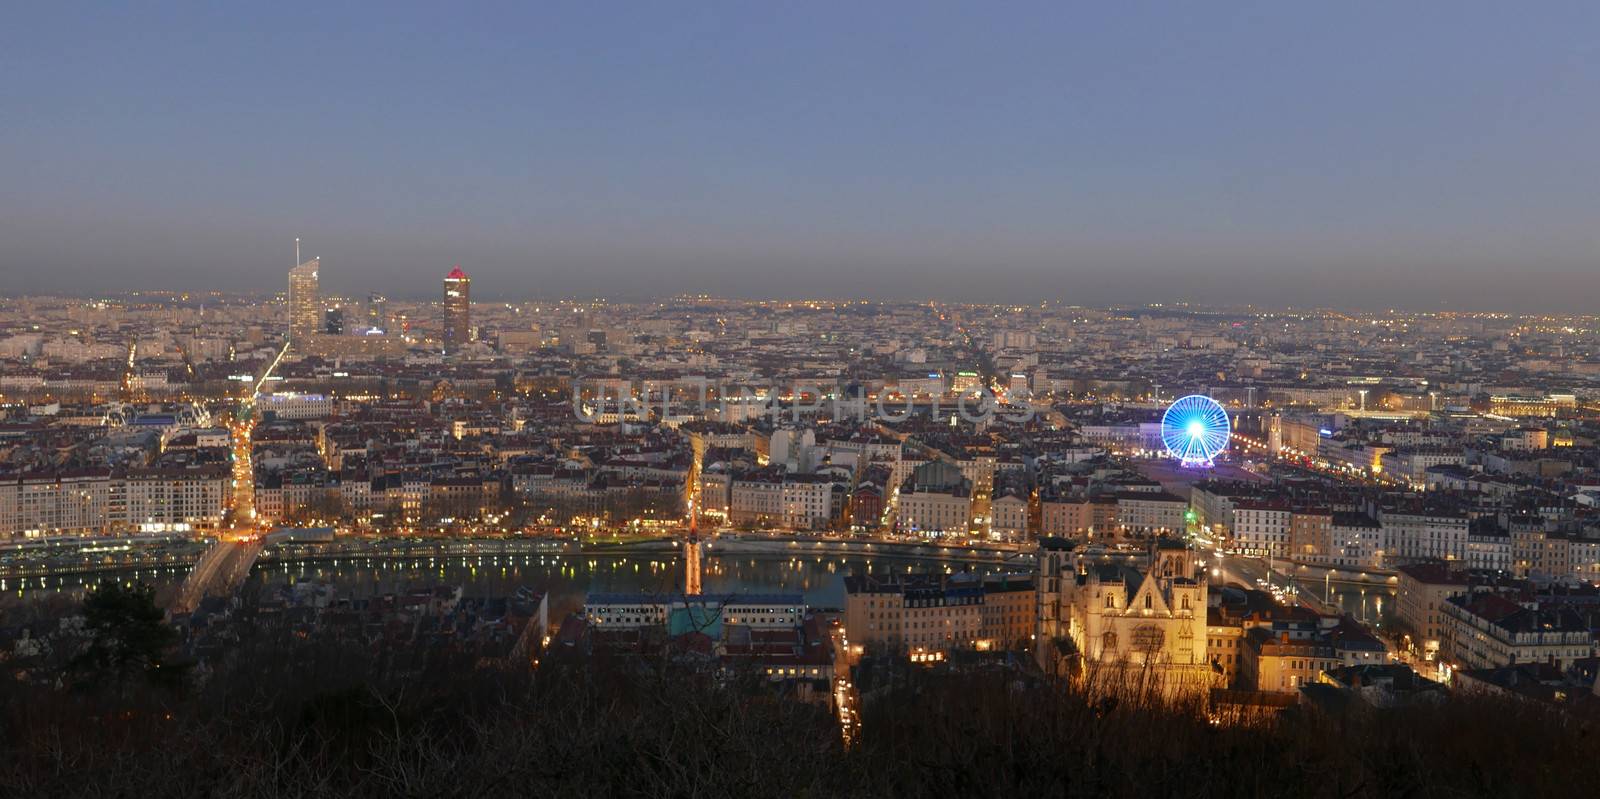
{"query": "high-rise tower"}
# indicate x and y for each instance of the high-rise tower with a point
(377, 312)
(305, 310)
(457, 309)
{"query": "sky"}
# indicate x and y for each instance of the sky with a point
(1428, 156)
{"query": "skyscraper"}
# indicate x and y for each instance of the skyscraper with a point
(377, 312)
(457, 309)
(305, 311)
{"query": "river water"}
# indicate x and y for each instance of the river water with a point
(567, 578)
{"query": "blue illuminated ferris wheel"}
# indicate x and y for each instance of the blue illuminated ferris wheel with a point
(1195, 429)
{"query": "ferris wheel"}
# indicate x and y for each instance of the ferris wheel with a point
(1195, 430)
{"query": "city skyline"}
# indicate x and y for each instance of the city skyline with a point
(732, 399)
(318, 293)
(1254, 514)
(1101, 156)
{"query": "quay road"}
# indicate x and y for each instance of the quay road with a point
(778, 546)
(1248, 572)
(70, 556)
(1309, 463)
(88, 554)
(1316, 592)
(219, 565)
(763, 544)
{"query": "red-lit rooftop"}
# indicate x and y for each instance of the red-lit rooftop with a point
(456, 274)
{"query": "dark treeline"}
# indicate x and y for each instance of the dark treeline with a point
(277, 717)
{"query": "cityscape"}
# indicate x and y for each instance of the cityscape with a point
(313, 529)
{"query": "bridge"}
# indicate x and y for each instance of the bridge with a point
(220, 571)
(691, 564)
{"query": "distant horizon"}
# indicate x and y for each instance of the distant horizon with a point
(1365, 155)
(477, 298)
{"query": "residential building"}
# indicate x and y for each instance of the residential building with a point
(1423, 590)
(916, 614)
(1487, 629)
(935, 501)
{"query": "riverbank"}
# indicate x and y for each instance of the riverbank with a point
(766, 547)
(132, 555)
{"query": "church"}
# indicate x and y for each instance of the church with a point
(1133, 622)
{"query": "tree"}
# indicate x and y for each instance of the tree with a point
(323, 507)
(128, 636)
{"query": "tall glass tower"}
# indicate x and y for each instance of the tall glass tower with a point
(457, 309)
(305, 311)
(377, 312)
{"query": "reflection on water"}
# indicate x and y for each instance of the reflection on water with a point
(569, 578)
(1366, 603)
(566, 578)
(820, 578)
(25, 589)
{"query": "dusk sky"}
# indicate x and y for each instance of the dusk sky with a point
(1417, 155)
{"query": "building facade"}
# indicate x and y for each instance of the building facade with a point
(1130, 626)
(1424, 588)
(456, 329)
(1487, 630)
(935, 501)
(914, 614)
(67, 503)
(305, 306)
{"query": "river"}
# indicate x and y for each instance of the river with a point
(567, 578)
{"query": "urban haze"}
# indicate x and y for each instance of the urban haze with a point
(818, 400)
